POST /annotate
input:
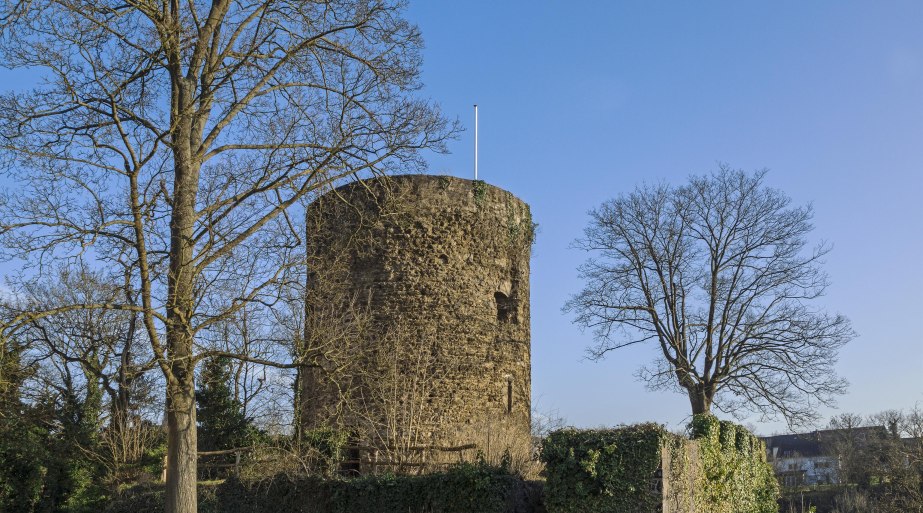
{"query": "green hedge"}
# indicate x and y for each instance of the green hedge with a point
(722, 469)
(603, 470)
(461, 489)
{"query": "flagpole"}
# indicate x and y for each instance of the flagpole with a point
(475, 141)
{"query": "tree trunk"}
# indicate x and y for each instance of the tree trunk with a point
(182, 451)
(700, 400)
(182, 471)
(182, 438)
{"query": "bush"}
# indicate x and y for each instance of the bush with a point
(603, 469)
(460, 489)
(323, 449)
(22, 473)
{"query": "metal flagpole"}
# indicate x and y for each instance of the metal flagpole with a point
(475, 141)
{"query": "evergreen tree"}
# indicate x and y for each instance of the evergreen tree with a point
(222, 424)
(74, 479)
(21, 449)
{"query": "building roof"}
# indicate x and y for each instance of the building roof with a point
(815, 443)
(803, 444)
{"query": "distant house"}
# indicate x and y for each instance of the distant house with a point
(808, 459)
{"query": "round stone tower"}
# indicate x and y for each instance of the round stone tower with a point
(417, 328)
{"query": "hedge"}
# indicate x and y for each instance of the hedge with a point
(644, 468)
(603, 470)
(461, 489)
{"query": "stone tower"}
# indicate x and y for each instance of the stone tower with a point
(418, 315)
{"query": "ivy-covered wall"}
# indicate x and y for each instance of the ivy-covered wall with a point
(735, 477)
(644, 468)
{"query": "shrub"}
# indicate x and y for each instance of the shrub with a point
(603, 469)
(462, 488)
(22, 473)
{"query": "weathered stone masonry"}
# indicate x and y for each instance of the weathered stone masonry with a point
(439, 260)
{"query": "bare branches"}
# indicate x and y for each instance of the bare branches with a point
(718, 273)
(177, 140)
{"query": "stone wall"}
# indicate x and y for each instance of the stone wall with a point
(681, 475)
(418, 314)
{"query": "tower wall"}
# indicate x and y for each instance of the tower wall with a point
(424, 281)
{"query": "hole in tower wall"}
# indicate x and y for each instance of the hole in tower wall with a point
(507, 310)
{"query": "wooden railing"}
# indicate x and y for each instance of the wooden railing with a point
(237, 452)
(377, 456)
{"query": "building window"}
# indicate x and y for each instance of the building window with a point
(506, 308)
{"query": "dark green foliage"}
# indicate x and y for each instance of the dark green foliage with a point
(48, 470)
(222, 424)
(323, 449)
(603, 470)
(73, 478)
(22, 473)
(21, 443)
(151, 463)
(461, 489)
(45, 448)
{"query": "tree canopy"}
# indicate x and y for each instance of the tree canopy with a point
(718, 275)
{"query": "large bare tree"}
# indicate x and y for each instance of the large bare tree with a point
(718, 275)
(177, 138)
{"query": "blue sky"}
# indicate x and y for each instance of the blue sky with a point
(580, 101)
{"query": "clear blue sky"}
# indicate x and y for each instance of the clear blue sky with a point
(582, 100)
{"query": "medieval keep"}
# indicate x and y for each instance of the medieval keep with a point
(417, 331)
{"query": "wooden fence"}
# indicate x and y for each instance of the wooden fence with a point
(234, 466)
(415, 456)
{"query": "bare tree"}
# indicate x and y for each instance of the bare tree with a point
(717, 275)
(849, 439)
(181, 136)
(880, 459)
(394, 397)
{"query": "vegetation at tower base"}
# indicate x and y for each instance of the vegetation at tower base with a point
(463, 488)
(644, 468)
(603, 469)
